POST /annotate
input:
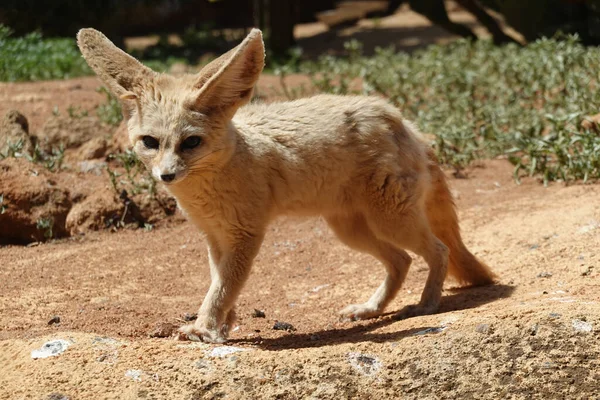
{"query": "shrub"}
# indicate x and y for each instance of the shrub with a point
(31, 58)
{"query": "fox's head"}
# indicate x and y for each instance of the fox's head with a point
(178, 126)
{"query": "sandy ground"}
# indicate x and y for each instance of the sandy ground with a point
(533, 335)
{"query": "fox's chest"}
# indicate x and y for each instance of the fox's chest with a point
(213, 211)
(198, 205)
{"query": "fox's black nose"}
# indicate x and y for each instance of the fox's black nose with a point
(167, 177)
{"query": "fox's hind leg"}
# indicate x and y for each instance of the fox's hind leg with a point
(408, 228)
(354, 232)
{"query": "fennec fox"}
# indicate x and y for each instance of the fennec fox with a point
(234, 167)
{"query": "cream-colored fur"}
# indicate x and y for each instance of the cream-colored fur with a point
(352, 160)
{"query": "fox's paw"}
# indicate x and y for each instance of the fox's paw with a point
(416, 310)
(193, 333)
(356, 312)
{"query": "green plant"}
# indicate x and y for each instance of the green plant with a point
(32, 57)
(135, 180)
(51, 161)
(109, 112)
(46, 225)
(76, 112)
(13, 150)
(204, 36)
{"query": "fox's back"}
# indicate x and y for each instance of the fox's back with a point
(322, 145)
(308, 119)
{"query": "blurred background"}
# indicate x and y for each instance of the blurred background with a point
(187, 28)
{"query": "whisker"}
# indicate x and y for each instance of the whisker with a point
(202, 167)
(212, 152)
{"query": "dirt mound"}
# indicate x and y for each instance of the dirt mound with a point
(72, 132)
(34, 206)
(93, 149)
(38, 205)
(81, 138)
(98, 211)
(104, 210)
(77, 197)
(14, 131)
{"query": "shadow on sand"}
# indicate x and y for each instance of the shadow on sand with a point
(460, 299)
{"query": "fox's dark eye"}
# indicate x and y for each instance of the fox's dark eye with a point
(150, 142)
(191, 142)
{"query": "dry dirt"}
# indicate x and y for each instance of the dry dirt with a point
(533, 335)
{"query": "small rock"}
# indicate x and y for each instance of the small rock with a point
(134, 374)
(105, 340)
(554, 315)
(190, 317)
(54, 320)
(484, 328)
(163, 330)
(225, 351)
(544, 274)
(430, 330)
(283, 326)
(202, 364)
(592, 225)
(314, 338)
(258, 313)
(548, 365)
(319, 288)
(50, 349)
(57, 396)
(581, 326)
(365, 364)
(95, 167)
(534, 330)
(534, 246)
(233, 361)
(587, 270)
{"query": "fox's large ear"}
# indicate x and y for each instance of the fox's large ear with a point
(226, 83)
(124, 75)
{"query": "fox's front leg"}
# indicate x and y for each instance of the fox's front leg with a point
(230, 263)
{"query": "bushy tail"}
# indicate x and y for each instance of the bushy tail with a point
(441, 212)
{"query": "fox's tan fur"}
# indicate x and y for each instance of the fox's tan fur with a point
(352, 160)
